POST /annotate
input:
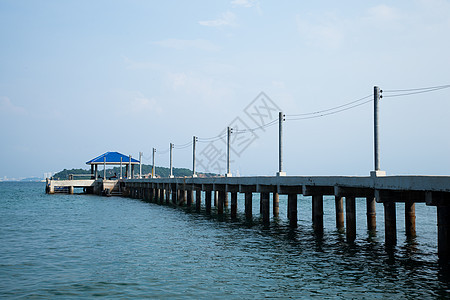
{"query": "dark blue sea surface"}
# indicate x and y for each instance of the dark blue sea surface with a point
(78, 246)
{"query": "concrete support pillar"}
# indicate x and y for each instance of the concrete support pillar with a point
(350, 216)
(220, 202)
(174, 196)
(390, 223)
(443, 220)
(168, 192)
(152, 194)
(158, 196)
(198, 200)
(162, 196)
(208, 201)
(292, 210)
(371, 214)
(216, 198)
(225, 201)
(248, 205)
(410, 218)
(265, 205)
(71, 190)
(182, 197)
(317, 213)
(260, 205)
(276, 204)
(233, 205)
(339, 205)
(190, 195)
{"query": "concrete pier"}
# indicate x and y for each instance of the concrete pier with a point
(276, 204)
(233, 205)
(410, 218)
(248, 205)
(350, 216)
(317, 213)
(339, 207)
(371, 214)
(265, 207)
(387, 190)
(390, 223)
(292, 210)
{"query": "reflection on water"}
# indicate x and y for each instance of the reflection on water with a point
(84, 246)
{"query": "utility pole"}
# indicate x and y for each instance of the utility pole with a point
(153, 165)
(140, 165)
(281, 119)
(229, 132)
(376, 99)
(129, 168)
(193, 156)
(120, 167)
(171, 170)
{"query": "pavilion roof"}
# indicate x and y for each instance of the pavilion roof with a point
(112, 158)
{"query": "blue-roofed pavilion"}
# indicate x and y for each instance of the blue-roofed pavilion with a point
(113, 158)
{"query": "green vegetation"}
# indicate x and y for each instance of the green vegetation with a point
(115, 171)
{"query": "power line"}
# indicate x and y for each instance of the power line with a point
(432, 88)
(271, 123)
(333, 108)
(327, 114)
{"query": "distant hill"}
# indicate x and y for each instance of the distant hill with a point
(146, 169)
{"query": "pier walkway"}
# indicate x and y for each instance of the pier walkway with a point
(387, 190)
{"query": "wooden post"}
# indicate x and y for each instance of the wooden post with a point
(248, 205)
(339, 205)
(276, 204)
(220, 202)
(317, 213)
(410, 218)
(390, 226)
(371, 214)
(198, 200)
(265, 205)
(233, 205)
(443, 219)
(292, 210)
(208, 201)
(350, 215)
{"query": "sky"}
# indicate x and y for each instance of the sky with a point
(80, 78)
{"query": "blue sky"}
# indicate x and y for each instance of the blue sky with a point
(79, 78)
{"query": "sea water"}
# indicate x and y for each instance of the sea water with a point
(82, 246)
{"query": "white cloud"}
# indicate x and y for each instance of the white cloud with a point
(181, 44)
(383, 13)
(7, 107)
(245, 3)
(140, 104)
(227, 19)
(327, 32)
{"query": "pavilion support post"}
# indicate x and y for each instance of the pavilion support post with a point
(233, 205)
(292, 210)
(248, 205)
